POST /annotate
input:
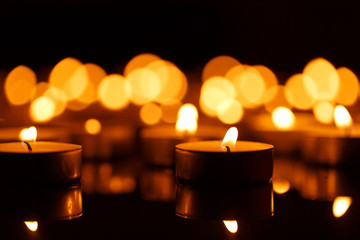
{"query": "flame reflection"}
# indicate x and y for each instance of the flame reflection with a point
(231, 225)
(341, 205)
(32, 225)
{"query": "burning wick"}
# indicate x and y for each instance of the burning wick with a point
(227, 148)
(28, 145)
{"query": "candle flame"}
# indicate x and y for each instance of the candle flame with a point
(341, 205)
(231, 225)
(342, 118)
(283, 118)
(229, 141)
(32, 225)
(28, 134)
(187, 119)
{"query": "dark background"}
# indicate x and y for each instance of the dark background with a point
(283, 34)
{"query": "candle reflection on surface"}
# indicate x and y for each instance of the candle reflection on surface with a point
(231, 225)
(341, 205)
(32, 225)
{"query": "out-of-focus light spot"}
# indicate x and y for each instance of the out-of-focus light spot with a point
(114, 92)
(70, 76)
(150, 113)
(283, 118)
(19, 84)
(122, 184)
(140, 61)
(234, 71)
(39, 90)
(145, 85)
(324, 112)
(342, 118)
(28, 134)
(250, 87)
(348, 88)
(276, 97)
(218, 66)
(230, 138)
(173, 81)
(187, 119)
(341, 205)
(230, 111)
(281, 186)
(42, 109)
(231, 225)
(268, 76)
(93, 126)
(298, 95)
(94, 74)
(58, 97)
(213, 92)
(170, 110)
(324, 76)
(32, 225)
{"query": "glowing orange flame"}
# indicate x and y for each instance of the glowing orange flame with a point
(281, 186)
(28, 134)
(92, 126)
(229, 141)
(341, 205)
(283, 118)
(187, 119)
(231, 225)
(32, 225)
(342, 118)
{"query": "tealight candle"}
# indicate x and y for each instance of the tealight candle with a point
(158, 142)
(41, 162)
(229, 160)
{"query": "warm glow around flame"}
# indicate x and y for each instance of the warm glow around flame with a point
(32, 225)
(230, 139)
(231, 225)
(28, 134)
(283, 118)
(187, 119)
(341, 205)
(342, 118)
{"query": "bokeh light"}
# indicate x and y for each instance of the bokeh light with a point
(213, 92)
(169, 110)
(145, 85)
(276, 97)
(140, 61)
(218, 66)
(150, 113)
(297, 94)
(283, 118)
(42, 109)
(281, 186)
(348, 88)
(231, 225)
(187, 119)
(92, 126)
(114, 92)
(342, 118)
(324, 76)
(19, 84)
(324, 112)
(230, 111)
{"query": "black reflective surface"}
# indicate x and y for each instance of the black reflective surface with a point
(125, 199)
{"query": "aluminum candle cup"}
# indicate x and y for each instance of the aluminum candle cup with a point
(46, 163)
(205, 161)
(158, 143)
(37, 204)
(333, 148)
